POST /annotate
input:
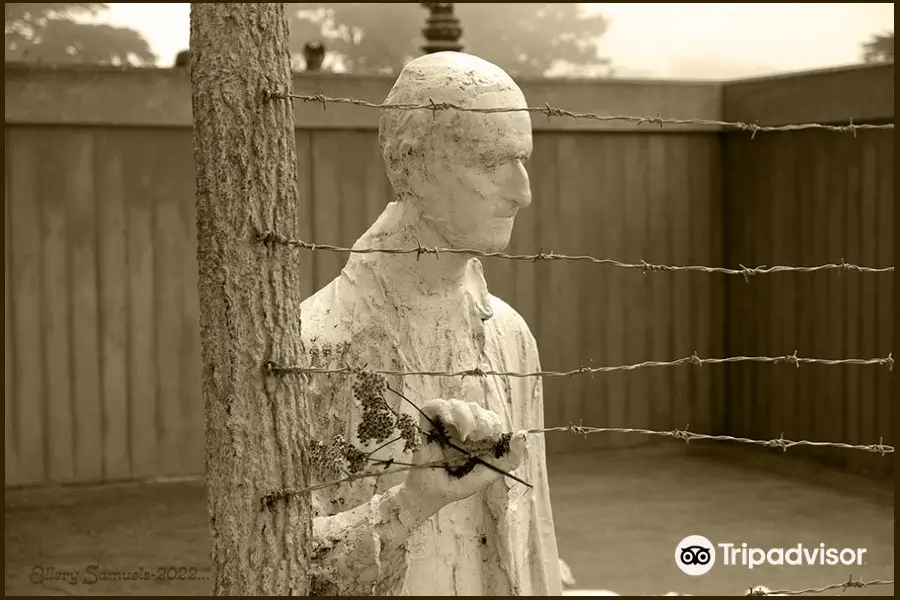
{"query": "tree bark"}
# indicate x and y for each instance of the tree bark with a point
(256, 423)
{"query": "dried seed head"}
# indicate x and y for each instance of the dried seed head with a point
(355, 459)
(368, 386)
(376, 425)
(409, 431)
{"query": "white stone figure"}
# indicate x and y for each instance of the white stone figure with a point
(460, 179)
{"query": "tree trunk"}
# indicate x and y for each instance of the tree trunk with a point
(256, 423)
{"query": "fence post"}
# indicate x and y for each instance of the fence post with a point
(256, 425)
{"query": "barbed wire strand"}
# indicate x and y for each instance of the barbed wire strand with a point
(551, 112)
(687, 436)
(270, 237)
(851, 583)
(676, 434)
(277, 369)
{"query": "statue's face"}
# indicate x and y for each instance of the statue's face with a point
(473, 179)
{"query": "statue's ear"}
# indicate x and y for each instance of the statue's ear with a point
(406, 147)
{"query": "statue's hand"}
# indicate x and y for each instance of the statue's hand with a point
(468, 426)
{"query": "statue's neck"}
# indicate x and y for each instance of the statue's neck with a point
(441, 276)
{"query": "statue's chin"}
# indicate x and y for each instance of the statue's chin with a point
(495, 243)
(490, 237)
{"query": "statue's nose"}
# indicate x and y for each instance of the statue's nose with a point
(521, 199)
(519, 188)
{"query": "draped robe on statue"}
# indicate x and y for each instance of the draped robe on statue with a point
(501, 540)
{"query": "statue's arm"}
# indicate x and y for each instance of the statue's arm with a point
(362, 551)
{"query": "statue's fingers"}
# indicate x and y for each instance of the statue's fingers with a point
(464, 419)
(512, 458)
(490, 424)
(435, 410)
(482, 475)
(517, 444)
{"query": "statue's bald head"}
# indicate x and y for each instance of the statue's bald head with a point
(434, 156)
(407, 136)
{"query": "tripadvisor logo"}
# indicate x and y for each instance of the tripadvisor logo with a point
(696, 555)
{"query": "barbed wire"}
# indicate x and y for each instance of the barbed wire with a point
(676, 434)
(269, 237)
(277, 369)
(551, 112)
(851, 583)
(687, 436)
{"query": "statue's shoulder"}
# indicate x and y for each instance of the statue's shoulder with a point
(509, 322)
(336, 317)
(322, 317)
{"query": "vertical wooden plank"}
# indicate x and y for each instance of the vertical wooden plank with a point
(699, 223)
(25, 251)
(142, 360)
(804, 322)
(637, 286)
(544, 198)
(11, 459)
(884, 143)
(757, 174)
(351, 185)
(567, 278)
(168, 238)
(305, 197)
(612, 194)
(868, 293)
(819, 300)
(82, 249)
(852, 245)
(714, 247)
(188, 407)
(327, 208)
(731, 325)
(781, 289)
(657, 248)
(739, 202)
(680, 154)
(113, 309)
(766, 151)
(52, 175)
(593, 279)
(836, 282)
(191, 385)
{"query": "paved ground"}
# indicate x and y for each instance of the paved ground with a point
(619, 516)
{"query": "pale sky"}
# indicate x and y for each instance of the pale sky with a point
(684, 41)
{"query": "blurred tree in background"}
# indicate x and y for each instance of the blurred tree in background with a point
(57, 33)
(880, 48)
(522, 38)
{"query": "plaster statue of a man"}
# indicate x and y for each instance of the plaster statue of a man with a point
(460, 179)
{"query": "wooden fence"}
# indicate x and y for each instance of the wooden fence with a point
(807, 198)
(102, 340)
